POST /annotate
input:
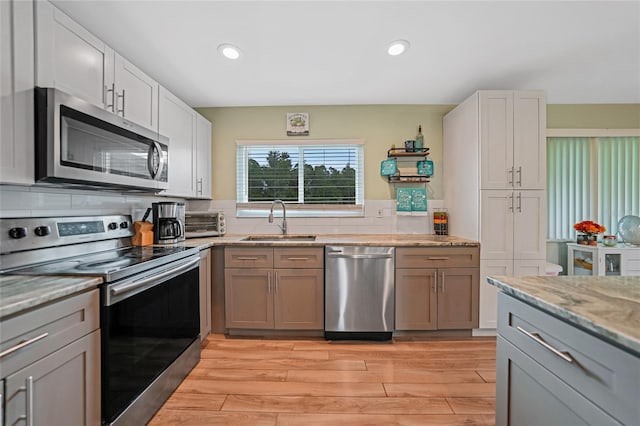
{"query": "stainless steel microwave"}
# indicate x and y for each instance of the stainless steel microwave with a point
(80, 144)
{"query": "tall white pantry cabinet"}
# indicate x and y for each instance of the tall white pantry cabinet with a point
(495, 186)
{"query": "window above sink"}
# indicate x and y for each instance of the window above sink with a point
(329, 183)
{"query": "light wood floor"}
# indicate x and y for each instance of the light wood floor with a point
(244, 381)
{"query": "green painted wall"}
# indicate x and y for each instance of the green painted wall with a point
(601, 116)
(380, 126)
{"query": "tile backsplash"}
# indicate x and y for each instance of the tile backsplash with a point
(20, 201)
(388, 222)
(380, 215)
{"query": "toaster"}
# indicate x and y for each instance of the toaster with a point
(204, 224)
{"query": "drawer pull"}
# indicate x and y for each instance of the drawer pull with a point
(438, 258)
(246, 258)
(297, 258)
(23, 344)
(536, 337)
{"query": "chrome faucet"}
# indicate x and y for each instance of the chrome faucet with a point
(284, 215)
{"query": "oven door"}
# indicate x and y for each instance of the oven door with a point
(147, 322)
(79, 143)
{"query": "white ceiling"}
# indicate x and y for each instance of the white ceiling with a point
(334, 52)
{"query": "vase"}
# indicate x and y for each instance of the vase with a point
(587, 239)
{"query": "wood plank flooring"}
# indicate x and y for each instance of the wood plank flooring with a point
(245, 381)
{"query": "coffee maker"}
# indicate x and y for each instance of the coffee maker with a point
(168, 222)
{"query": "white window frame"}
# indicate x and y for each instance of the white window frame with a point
(592, 134)
(294, 209)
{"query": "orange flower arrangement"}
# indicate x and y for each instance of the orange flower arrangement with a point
(589, 227)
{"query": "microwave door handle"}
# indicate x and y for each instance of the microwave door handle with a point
(153, 166)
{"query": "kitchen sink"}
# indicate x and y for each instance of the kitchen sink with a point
(280, 238)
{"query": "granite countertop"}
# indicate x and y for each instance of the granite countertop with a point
(394, 240)
(21, 292)
(608, 307)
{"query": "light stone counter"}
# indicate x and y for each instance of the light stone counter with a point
(393, 240)
(608, 307)
(21, 292)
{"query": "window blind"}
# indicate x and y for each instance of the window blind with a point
(591, 178)
(618, 180)
(301, 174)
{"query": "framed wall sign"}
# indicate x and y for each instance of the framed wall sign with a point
(297, 124)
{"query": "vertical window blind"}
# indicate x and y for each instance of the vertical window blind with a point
(591, 178)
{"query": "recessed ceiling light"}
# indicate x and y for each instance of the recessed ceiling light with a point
(229, 51)
(398, 47)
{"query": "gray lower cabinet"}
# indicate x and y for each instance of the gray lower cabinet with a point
(60, 389)
(549, 372)
(274, 288)
(51, 364)
(205, 293)
(437, 288)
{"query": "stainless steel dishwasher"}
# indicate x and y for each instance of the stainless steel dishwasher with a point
(359, 292)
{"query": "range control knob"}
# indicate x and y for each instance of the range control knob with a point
(42, 231)
(17, 233)
(124, 225)
(113, 226)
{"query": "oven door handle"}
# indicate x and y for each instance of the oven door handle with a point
(121, 291)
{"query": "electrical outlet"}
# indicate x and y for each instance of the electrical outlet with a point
(380, 213)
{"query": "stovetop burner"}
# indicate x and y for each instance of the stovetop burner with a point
(111, 264)
(89, 245)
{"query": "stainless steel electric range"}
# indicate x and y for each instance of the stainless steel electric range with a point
(149, 316)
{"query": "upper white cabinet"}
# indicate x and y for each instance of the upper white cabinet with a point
(135, 94)
(70, 58)
(73, 60)
(177, 121)
(512, 126)
(16, 92)
(189, 147)
(203, 158)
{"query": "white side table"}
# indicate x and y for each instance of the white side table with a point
(621, 259)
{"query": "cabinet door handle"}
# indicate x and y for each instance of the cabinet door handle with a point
(277, 289)
(520, 202)
(246, 258)
(29, 408)
(297, 258)
(106, 95)
(519, 181)
(511, 203)
(510, 178)
(438, 258)
(536, 337)
(23, 344)
(435, 281)
(199, 186)
(268, 282)
(442, 277)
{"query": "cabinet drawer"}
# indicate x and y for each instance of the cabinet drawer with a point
(49, 328)
(527, 394)
(604, 374)
(437, 257)
(235, 257)
(298, 257)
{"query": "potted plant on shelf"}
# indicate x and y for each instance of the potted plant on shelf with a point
(588, 232)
